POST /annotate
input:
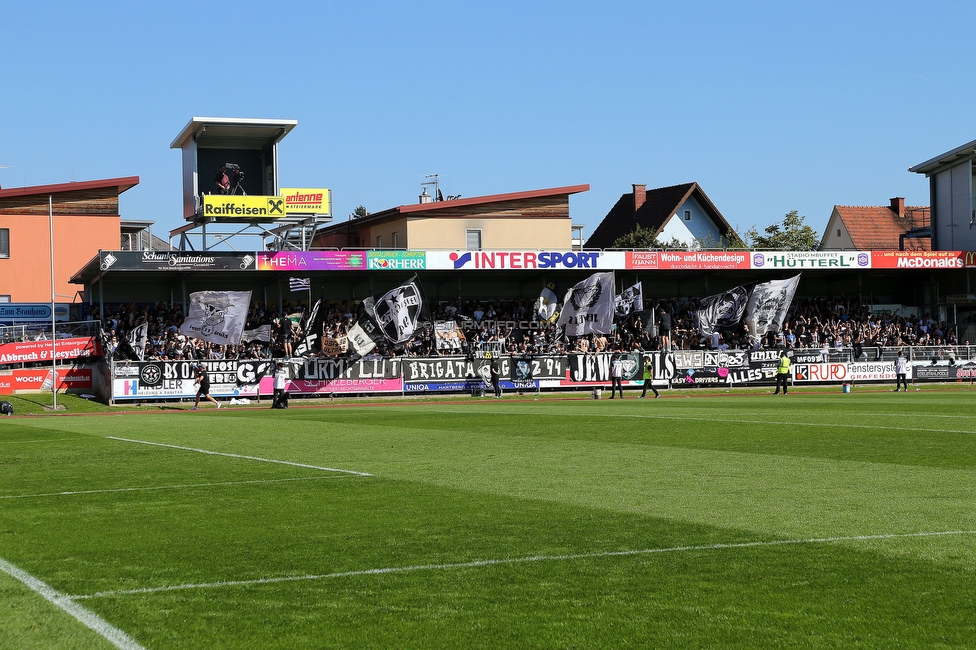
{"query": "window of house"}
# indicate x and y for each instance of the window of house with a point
(838, 232)
(4, 298)
(379, 241)
(473, 239)
(687, 215)
(396, 240)
(4, 242)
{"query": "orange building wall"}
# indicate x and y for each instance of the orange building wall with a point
(26, 275)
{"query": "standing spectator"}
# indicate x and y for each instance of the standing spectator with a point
(648, 378)
(496, 377)
(783, 373)
(901, 371)
(616, 375)
(664, 327)
(203, 379)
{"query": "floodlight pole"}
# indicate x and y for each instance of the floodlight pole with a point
(54, 337)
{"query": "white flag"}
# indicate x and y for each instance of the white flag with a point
(217, 316)
(359, 341)
(767, 306)
(546, 306)
(588, 307)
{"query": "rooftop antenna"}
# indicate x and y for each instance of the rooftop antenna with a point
(5, 167)
(437, 191)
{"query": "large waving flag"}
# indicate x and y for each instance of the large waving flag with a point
(588, 307)
(767, 306)
(392, 319)
(217, 316)
(721, 310)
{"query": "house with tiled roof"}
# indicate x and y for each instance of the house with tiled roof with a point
(882, 227)
(679, 212)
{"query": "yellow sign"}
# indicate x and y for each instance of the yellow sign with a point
(304, 200)
(243, 207)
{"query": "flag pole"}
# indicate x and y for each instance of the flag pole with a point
(54, 342)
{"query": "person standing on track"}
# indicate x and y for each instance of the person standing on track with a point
(648, 378)
(901, 371)
(616, 375)
(783, 373)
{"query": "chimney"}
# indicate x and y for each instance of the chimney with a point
(898, 206)
(640, 195)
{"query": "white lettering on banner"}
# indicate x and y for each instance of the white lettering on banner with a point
(929, 263)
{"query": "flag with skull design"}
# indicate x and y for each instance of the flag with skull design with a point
(217, 316)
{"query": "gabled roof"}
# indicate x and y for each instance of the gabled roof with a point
(947, 159)
(880, 227)
(421, 209)
(122, 184)
(659, 205)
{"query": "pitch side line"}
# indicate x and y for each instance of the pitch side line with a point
(517, 560)
(88, 618)
(164, 487)
(229, 455)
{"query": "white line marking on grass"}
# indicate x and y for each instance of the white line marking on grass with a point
(165, 487)
(88, 618)
(229, 455)
(516, 560)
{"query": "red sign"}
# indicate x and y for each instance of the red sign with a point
(922, 259)
(35, 351)
(688, 260)
(33, 378)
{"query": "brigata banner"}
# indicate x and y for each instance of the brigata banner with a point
(40, 351)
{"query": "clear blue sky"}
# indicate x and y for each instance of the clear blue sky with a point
(770, 106)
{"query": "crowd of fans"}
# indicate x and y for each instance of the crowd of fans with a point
(512, 327)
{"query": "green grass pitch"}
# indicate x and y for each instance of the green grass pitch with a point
(819, 520)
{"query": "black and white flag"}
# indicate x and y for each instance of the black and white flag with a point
(313, 331)
(722, 310)
(547, 305)
(261, 333)
(217, 316)
(588, 307)
(767, 306)
(392, 319)
(300, 284)
(137, 340)
(631, 299)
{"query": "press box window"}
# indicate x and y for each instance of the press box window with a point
(473, 238)
(4, 242)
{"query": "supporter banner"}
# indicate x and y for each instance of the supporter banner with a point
(687, 260)
(597, 367)
(922, 259)
(154, 379)
(39, 351)
(523, 260)
(838, 260)
(261, 333)
(767, 305)
(464, 369)
(311, 261)
(330, 369)
(304, 200)
(175, 261)
(34, 378)
(631, 299)
(335, 347)
(703, 358)
(396, 260)
(448, 336)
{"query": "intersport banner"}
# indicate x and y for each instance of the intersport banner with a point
(40, 351)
